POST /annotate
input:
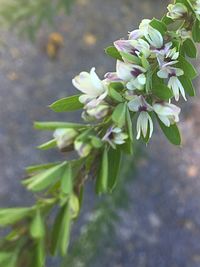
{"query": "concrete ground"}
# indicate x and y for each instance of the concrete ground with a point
(162, 228)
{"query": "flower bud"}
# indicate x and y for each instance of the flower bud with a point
(64, 137)
(98, 112)
(197, 7)
(176, 11)
(83, 149)
(185, 34)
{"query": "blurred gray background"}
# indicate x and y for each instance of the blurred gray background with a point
(162, 226)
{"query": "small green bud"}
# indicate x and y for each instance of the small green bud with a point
(83, 149)
(64, 137)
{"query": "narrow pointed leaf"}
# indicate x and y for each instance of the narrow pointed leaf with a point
(102, 179)
(66, 104)
(37, 228)
(44, 179)
(48, 145)
(66, 181)
(114, 156)
(119, 115)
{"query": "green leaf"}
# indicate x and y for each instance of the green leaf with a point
(131, 58)
(119, 115)
(145, 62)
(102, 179)
(5, 256)
(114, 155)
(65, 231)
(37, 228)
(129, 124)
(96, 142)
(48, 145)
(167, 20)
(117, 86)
(196, 31)
(159, 25)
(113, 52)
(189, 70)
(190, 48)
(115, 95)
(162, 91)
(66, 181)
(39, 258)
(13, 215)
(172, 133)
(187, 85)
(44, 179)
(36, 168)
(53, 125)
(8, 259)
(71, 103)
(127, 147)
(55, 234)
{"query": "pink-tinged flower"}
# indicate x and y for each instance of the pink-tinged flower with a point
(173, 83)
(112, 77)
(90, 85)
(168, 113)
(143, 29)
(176, 11)
(133, 75)
(144, 121)
(115, 136)
(133, 47)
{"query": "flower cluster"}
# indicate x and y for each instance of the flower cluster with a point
(149, 75)
(145, 54)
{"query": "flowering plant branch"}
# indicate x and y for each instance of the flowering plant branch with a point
(152, 71)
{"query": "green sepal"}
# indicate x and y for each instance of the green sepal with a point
(113, 52)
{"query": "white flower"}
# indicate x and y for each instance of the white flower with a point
(133, 75)
(176, 11)
(115, 136)
(173, 82)
(90, 85)
(154, 37)
(64, 137)
(172, 54)
(167, 113)
(112, 77)
(144, 121)
(197, 7)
